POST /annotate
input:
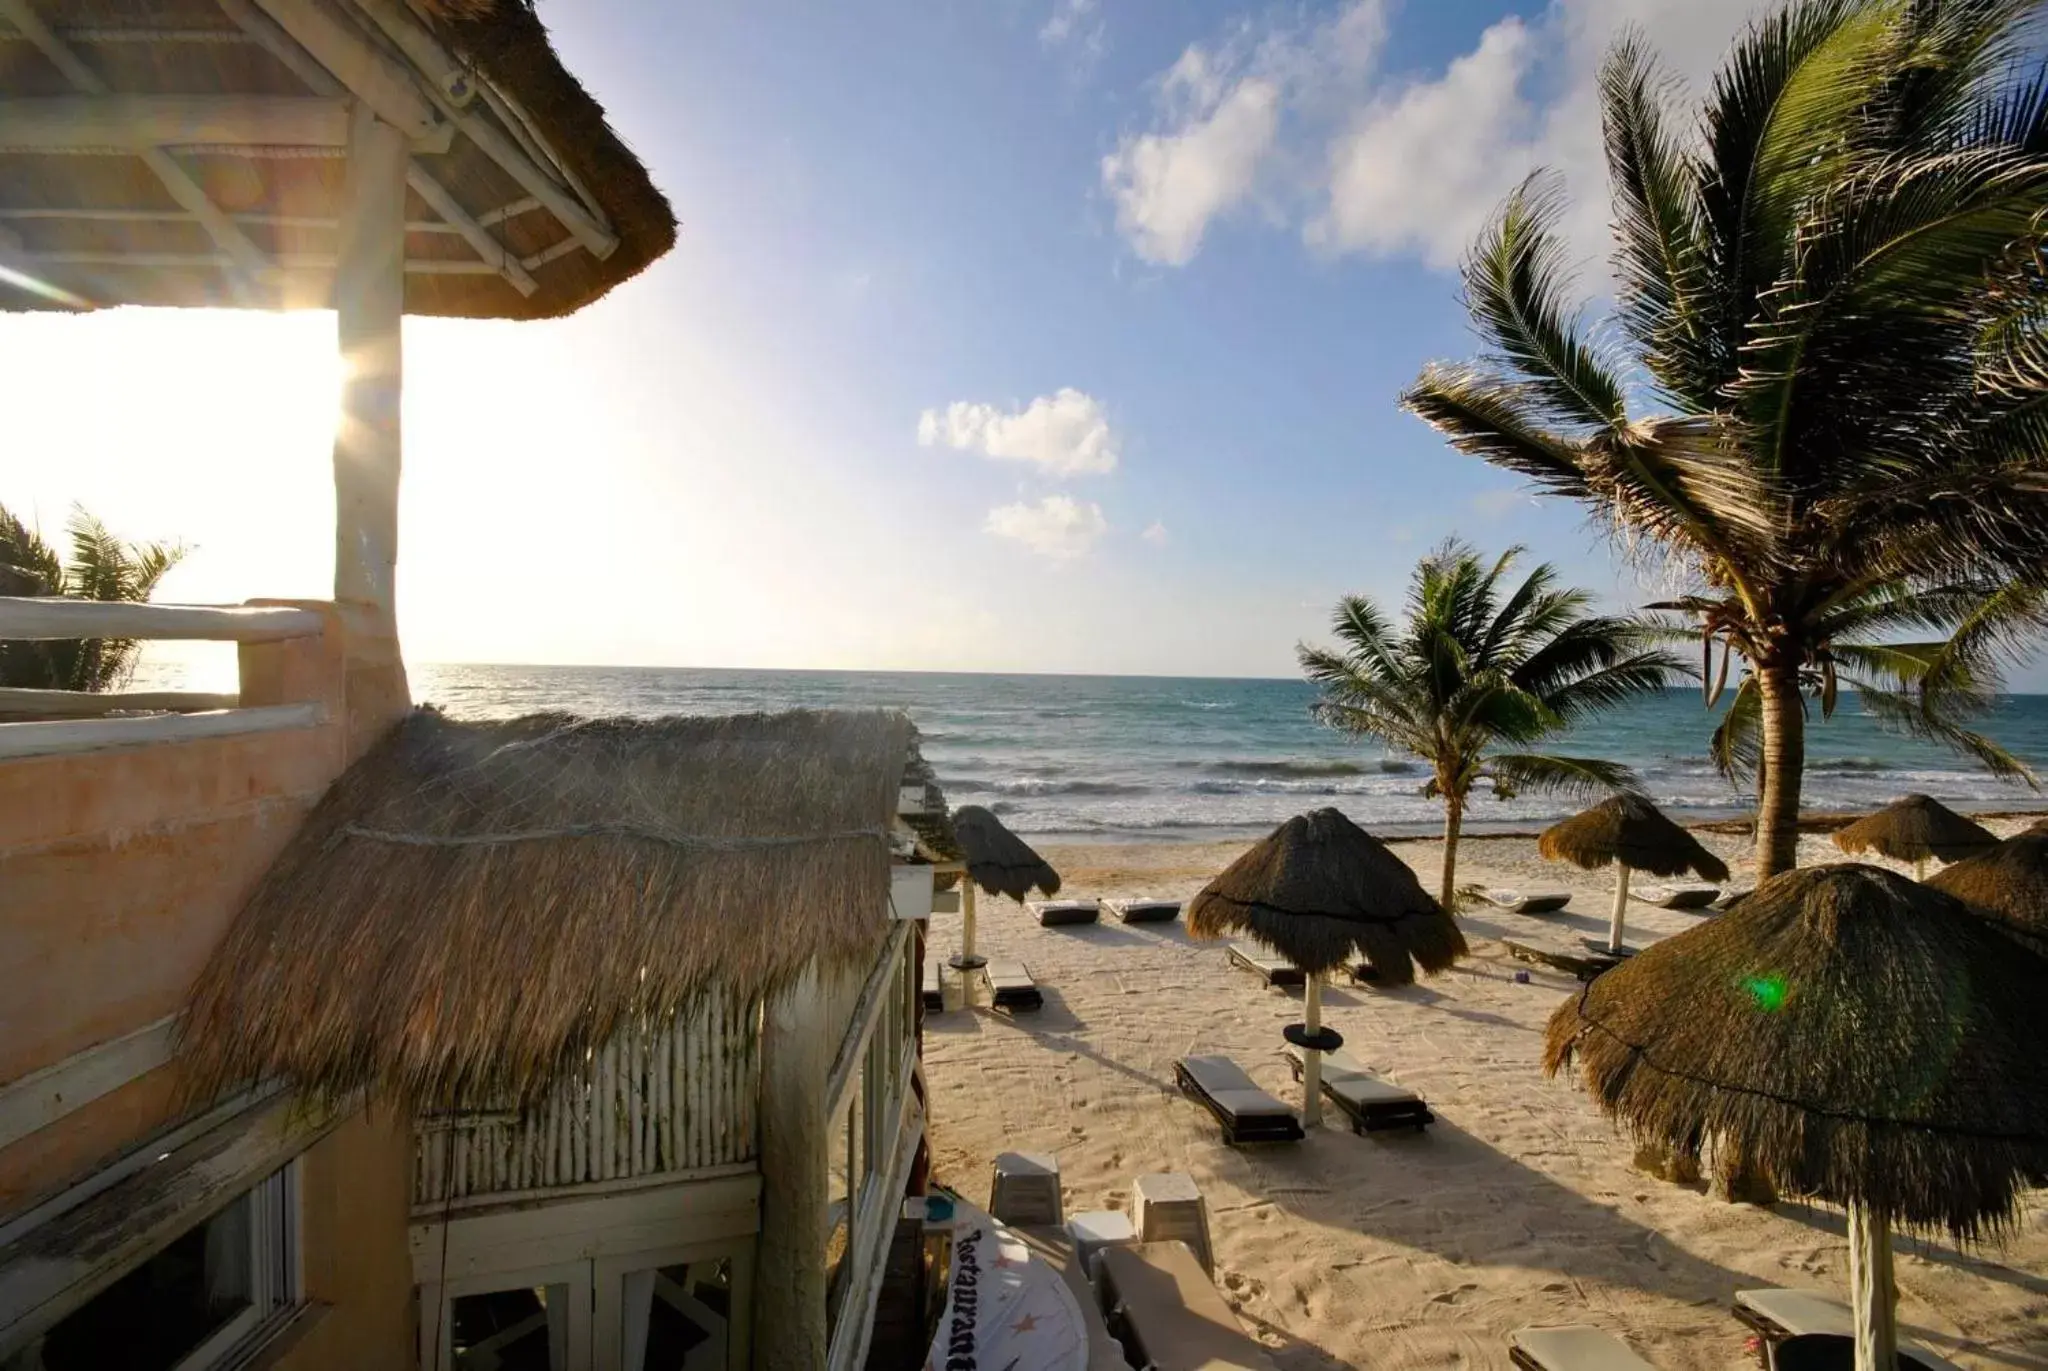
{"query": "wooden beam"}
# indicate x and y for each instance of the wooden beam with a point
(39, 1099)
(249, 259)
(387, 86)
(51, 1269)
(208, 261)
(322, 82)
(148, 730)
(488, 249)
(88, 704)
(64, 122)
(369, 300)
(51, 616)
(445, 76)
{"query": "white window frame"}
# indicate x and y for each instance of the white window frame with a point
(577, 1275)
(276, 1273)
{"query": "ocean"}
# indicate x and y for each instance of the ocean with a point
(1141, 757)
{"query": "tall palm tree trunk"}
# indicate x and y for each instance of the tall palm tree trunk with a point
(1784, 765)
(1454, 819)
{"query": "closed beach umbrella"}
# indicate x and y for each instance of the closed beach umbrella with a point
(1913, 829)
(1316, 890)
(1633, 834)
(999, 862)
(1856, 1037)
(2010, 883)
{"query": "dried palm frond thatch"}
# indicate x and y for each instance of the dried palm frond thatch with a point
(1851, 1034)
(1320, 887)
(2010, 883)
(1914, 828)
(998, 860)
(473, 906)
(1630, 830)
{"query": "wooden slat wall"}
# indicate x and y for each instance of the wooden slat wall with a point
(659, 1098)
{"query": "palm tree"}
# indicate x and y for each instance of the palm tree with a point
(1478, 667)
(102, 567)
(1833, 304)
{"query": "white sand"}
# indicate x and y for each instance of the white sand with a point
(1518, 1207)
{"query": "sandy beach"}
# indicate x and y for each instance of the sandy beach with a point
(1518, 1207)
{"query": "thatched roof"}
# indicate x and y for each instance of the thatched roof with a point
(473, 904)
(1915, 828)
(99, 226)
(1630, 830)
(1320, 886)
(998, 860)
(1853, 1034)
(2010, 883)
(930, 821)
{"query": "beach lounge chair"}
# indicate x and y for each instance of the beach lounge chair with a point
(1583, 964)
(1169, 1315)
(1371, 1104)
(1813, 1317)
(1010, 986)
(1678, 896)
(1060, 913)
(1527, 901)
(1246, 1113)
(1268, 965)
(933, 989)
(1144, 911)
(1574, 1347)
(1730, 900)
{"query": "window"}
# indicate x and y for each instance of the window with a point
(525, 1329)
(211, 1293)
(675, 1318)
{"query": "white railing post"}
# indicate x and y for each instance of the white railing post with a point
(369, 301)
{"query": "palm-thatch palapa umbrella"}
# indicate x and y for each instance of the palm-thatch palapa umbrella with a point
(1633, 834)
(1857, 1037)
(999, 862)
(2010, 883)
(1317, 889)
(1914, 828)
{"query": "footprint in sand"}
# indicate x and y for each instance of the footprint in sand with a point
(1243, 1286)
(1453, 1295)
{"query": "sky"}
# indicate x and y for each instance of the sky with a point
(1017, 335)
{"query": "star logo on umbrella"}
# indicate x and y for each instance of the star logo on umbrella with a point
(1025, 1324)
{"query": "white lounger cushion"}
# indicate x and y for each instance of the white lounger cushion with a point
(1817, 1311)
(1679, 896)
(1225, 1082)
(1519, 900)
(1576, 1347)
(1264, 958)
(1052, 913)
(1346, 1075)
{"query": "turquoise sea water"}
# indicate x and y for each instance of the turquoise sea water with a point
(1158, 757)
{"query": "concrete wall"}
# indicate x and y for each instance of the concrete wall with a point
(355, 1201)
(120, 869)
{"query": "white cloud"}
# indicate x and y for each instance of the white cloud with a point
(1155, 534)
(1168, 186)
(1065, 433)
(1057, 527)
(1364, 160)
(1075, 26)
(1421, 171)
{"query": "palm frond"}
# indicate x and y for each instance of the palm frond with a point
(1660, 259)
(1583, 778)
(1515, 284)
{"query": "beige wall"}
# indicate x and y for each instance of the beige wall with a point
(355, 1198)
(120, 869)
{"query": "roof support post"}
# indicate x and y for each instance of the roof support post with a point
(798, 1040)
(369, 301)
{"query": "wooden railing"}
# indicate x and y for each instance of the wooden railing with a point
(76, 721)
(659, 1099)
